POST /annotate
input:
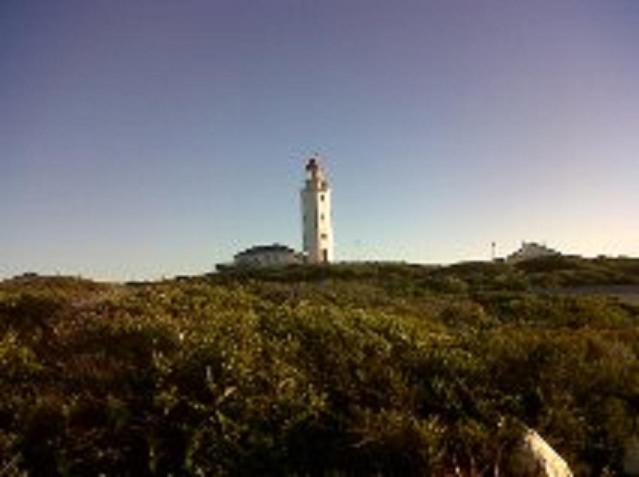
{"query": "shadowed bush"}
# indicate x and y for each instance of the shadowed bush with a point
(359, 370)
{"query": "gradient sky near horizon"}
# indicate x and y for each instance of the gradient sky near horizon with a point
(150, 138)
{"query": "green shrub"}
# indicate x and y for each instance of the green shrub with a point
(366, 370)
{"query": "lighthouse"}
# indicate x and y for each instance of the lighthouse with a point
(316, 214)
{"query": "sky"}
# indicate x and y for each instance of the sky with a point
(150, 138)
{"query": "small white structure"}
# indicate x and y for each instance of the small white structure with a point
(316, 214)
(275, 255)
(530, 251)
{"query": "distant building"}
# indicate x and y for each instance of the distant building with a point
(316, 226)
(530, 251)
(275, 255)
(316, 215)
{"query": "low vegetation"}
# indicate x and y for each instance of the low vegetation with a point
(354, 369)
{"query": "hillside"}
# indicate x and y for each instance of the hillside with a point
(363, 369)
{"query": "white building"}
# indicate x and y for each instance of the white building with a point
(316, 215)
(316, 226)
(530, 251)
(275, 255)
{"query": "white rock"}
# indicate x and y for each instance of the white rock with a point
(535, 458)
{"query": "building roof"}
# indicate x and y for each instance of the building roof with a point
(257, 249)
(531, 250)
(526, 246)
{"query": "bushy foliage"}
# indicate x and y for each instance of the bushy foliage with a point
(353, 369)
(566, 271)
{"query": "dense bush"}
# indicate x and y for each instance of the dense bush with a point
(566, 271)
(363, 370)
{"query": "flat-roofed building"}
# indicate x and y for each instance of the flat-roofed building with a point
(531, 251)
(275, 255)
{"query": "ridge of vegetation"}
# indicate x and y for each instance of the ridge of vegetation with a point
(369, 369)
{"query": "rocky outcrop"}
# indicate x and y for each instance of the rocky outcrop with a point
(533, 457)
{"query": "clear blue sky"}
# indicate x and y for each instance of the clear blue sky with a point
(158, 137)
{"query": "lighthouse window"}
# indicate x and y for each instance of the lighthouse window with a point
(322, 217)
(324, 237)
(322, 197)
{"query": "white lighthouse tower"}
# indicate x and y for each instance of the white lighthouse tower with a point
(316, 214)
